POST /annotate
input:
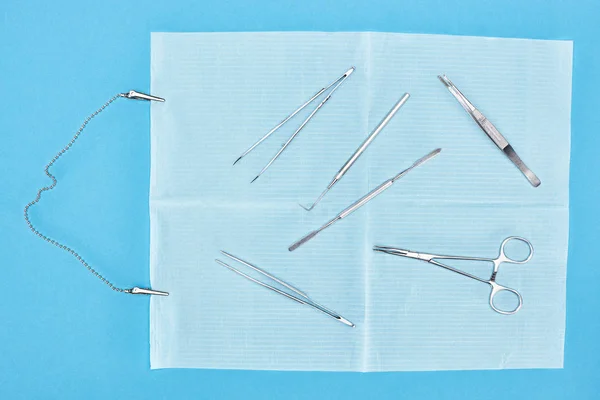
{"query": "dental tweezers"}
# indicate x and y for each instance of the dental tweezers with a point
(334, 85)
(363, 200)
(360, 149)
(301, 297)
(490, 130)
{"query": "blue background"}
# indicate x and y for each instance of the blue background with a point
(65, 335)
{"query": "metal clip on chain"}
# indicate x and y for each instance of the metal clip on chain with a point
(135, 290)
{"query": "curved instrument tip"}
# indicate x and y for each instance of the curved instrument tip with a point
(320, 196)
(307, 208)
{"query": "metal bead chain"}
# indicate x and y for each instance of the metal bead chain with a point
(54, 182)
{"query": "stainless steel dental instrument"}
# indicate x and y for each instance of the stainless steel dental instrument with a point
(301, 297)
(135, 290)
(495, 287)
(363, 200)
(490, 130)
(360, 149)
(334, 85)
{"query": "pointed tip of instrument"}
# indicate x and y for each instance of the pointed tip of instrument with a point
(257, 176)
(319, 198)
(307, 208)
(350, 71)
(444, 79)
(223, 264)
(380, 249)
(238, 159)
(228, 255)
(345, 321)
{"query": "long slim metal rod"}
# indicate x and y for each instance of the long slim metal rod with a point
(361, 149)
(304, 299)
(286, 119)
(310, 116)
(363, 200)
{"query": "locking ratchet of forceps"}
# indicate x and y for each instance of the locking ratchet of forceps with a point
(334, 86)
(361, 149)
(364, 200)
(491, 131)
(495, 287)
(299, 296)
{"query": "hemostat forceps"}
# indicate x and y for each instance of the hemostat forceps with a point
(360, 149)
(495, 287)
(299, 296)
(334, 85)
(491, 131)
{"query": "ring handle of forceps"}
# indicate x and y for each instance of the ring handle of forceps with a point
(496, 288)
(502, 257)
